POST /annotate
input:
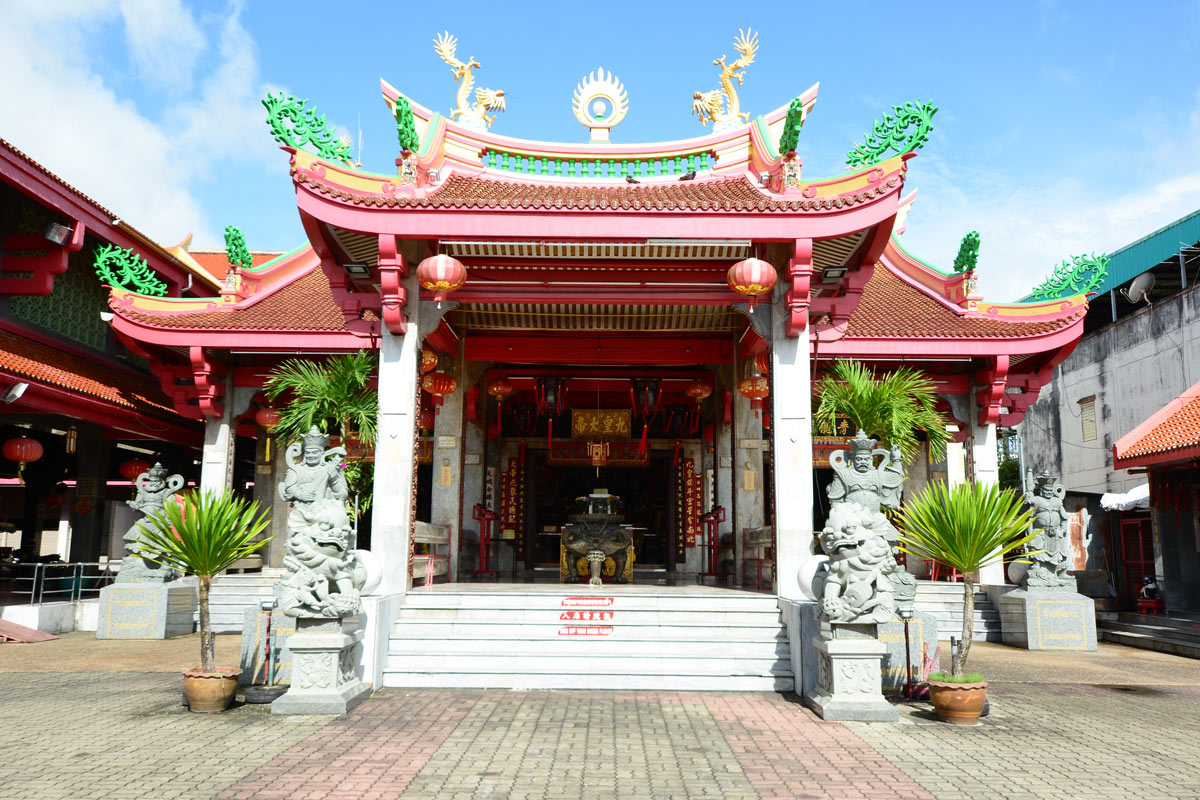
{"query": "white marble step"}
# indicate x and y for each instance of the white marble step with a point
(627, 616)
(440, 629)
(674, 683)
(592, 664)
(594, 646)
(624, 600)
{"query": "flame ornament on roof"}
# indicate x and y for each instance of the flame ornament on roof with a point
(121, 267)
(469, 116)
(601, 102)
(968, 253)
(891, 133)
(295, 125)
(1079, 275)
(722, 106)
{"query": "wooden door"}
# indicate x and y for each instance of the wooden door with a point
(1137, 554)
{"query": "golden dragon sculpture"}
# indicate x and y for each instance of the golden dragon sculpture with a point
(473, 116)
(722, 106)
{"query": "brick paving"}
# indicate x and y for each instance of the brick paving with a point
(123, 736)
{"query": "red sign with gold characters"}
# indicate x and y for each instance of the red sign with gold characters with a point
(512, 502)
(620, 454)
(603, 423)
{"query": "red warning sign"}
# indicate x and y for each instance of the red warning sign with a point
(587, 602)
(585, 630)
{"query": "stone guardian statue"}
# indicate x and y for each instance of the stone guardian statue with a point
(154, 488)
(1050, 518)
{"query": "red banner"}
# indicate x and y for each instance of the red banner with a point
(695, 488)
(512, 502)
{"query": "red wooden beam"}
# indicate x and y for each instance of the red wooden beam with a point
(582, 349)
(595, 294)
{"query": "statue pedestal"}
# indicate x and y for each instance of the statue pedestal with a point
(323, 676)
(849, 686)
(147, 610)
(1048, 619)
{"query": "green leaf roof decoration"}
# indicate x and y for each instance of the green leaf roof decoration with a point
(406, 127)
(891, 133)
(968, 253)
(791, 126)
(235, 248)
(1077, 275)
(295, 125)
(121, 267)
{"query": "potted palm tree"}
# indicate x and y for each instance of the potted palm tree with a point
(891, 408)
(337, 396)
(965, 527)
(201, 534)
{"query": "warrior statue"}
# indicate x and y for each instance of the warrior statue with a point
(862, 482)
(1049, 567)
(859, 586)
(323, 577)
(154, 487)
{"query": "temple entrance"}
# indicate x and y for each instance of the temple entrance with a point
(645, 495)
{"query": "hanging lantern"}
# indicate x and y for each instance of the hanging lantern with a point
(500, 389)
(698, 390)
(441, 274)
(762, 362)
(53, 500)
(429, 360)
(752, 277)
(132, 468)
(755, 388)
(268, 417)
(426, 419)
(439, 384)
(22, 450)
(70, 440)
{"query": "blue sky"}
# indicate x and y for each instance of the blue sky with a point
(1064, 127)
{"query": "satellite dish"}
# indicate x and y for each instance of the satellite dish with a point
(1140, 288)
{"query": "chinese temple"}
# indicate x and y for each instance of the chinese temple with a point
(565, 323)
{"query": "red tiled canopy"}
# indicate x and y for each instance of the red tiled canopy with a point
(1170, 434)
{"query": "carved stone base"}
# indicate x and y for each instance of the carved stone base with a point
(1048, 619)
(323, 670)
(149, 610)
(849, 687)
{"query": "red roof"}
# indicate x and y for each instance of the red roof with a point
(723, 194)
(40, 363)
(1170, 434)
(893, 308)
(216, 263)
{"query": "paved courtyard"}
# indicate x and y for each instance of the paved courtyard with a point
(1115, 724)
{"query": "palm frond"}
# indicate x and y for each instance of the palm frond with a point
(204, 536)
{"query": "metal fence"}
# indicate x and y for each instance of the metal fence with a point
(57, 582)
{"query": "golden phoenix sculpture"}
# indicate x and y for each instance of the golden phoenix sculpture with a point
(722, 106)
(473, 116)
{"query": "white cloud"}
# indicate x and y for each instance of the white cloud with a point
(61, 110)
(1027, 228)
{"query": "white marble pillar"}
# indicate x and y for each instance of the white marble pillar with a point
(985, 469)
(392, 508)
(791, 423)
(220, 434)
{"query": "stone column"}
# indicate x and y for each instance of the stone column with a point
(268, 474)
(791, 427)
(392, 509)
(984, 463)
(216, 463)
(724, 469)
(473, 469)
(91, 474)
(447, 495)
(748, 486)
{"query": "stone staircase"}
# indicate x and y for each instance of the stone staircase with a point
(620, 637)
(943, 599)
(1176, 632)
(231, 595)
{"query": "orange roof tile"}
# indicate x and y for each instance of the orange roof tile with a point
(215, 263)
(1171, 433)
(891, 307)
(723, 194)
(42, 363)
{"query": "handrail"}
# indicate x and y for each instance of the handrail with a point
(63, 581)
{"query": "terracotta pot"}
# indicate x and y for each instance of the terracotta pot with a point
(210, 692)
(960, 703)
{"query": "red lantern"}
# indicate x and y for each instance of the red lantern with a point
(53, 500)
(439, 383)
(268, 417)
(429, 360)
(500, 389)
(755, 388)
(441, 274)
(698, 390)
(762, 362)
(752, 277)
(22, 450)
(425, 420)
(132, 468)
